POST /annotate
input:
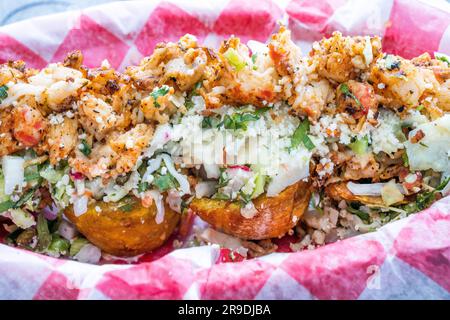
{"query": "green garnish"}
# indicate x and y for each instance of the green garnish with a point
(44, 236)
(164, 182)
(364, 216)
(220, 196)
(159, 93)
(3, 93)
(301, 136)
(254, 56)
(223, 179)
(420, 107)
(234, 59)
(347, 93)
(188, 101)
(59, 245)
(76, 246)
(27, 196)
(126, 207)
(9, 204)
(32, 176)
(85, 148)
(6, 205)
(260, 111)
(360, 146)
(210, 122)
(443, 57)
(405, 159)
(143, 186)
(260, 182)
(238, 120)
(425, 199)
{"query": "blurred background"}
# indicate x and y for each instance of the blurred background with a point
(12, 11)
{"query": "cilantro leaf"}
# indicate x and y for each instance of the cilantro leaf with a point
(209, 122)
(159, 93)
(239, 120)
(347, 93)
(442, 57)
(301, 136)
(164, 182)
(85, 148)
(3, 93)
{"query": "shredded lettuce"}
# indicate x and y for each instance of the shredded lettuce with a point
(76, 246)
(21, 218)
(58, 246)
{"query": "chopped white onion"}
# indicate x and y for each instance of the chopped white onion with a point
(153, 165)
(367, 52)
(80, 205)
(370, 189)
(89, 254)
(205, 189)
(174, 200)
(67, 230)
(13, 172)
(182, 180)
(288, 175)
(160, 210)
(249, 210)
(212, 171)
(257, 47)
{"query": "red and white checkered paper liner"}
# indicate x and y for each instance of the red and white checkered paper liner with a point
(408, 259)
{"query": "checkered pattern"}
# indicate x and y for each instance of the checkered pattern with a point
(406, 259)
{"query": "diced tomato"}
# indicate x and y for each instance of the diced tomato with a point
(227, 255)
(284, 243)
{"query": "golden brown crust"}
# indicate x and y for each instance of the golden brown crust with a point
(124, 233)
(276, 215)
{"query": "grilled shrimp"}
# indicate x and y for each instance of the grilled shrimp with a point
(8, 144)
(356, 99)
(401, 82)
(118, 156)
(245, 80)
(360, 167)
(179, 64)
(341, 58)
(61, 139)
(158, 107)
(307, 94)
(29, 125)
(96, 116)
